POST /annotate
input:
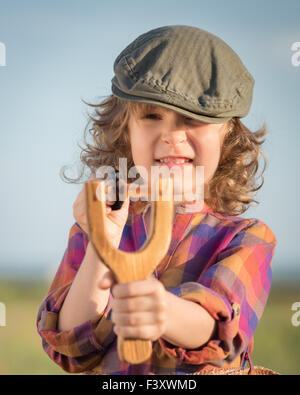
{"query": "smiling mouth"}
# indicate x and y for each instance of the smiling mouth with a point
(174, 161)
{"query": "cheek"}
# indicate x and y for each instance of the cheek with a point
(208, 153)
(208, 148)
(142, 148)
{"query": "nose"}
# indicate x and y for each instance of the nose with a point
(174, 137)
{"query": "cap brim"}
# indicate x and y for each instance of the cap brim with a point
(199, 117)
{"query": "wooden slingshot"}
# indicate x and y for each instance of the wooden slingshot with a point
(133, 266)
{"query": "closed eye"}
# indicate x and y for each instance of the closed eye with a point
(152, 116)
(187, 120)
(194, 121)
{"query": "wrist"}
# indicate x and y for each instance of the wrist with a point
(92, 256)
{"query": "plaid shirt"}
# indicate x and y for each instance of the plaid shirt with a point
(221, 262)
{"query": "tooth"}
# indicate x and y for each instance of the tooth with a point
(176, 161)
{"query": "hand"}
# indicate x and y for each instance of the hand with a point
(115, 219)
(139, 309)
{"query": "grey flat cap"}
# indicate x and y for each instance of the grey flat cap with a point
(185, 69)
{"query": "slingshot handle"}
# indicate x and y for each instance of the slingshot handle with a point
(134, 351)
(131, 266)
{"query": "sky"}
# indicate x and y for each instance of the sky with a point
(61, 52)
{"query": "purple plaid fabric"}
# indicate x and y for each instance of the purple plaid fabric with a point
(221, 262)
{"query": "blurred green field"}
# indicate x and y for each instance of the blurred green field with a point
(277, 341)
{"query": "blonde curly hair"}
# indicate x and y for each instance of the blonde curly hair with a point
(234, 183)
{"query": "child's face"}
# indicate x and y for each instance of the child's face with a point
(160, 133)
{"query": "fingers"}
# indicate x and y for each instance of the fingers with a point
(109, 193)
(130, 305)
(146, 332)
(137, 319)
(138, 288)
(139, 325)
(139, 309)
(116, 219)
(114, 194)
(79, 206)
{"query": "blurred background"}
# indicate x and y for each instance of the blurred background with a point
(59, 53)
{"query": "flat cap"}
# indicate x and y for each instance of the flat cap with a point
(185, 69)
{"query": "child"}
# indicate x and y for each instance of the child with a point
(178, 92)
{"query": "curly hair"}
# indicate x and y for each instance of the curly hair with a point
(234, 183)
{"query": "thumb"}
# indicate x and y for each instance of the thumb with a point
(107, 281)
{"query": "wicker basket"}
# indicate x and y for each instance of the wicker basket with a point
(257, 370)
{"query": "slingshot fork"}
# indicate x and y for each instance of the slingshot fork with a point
(131, 266)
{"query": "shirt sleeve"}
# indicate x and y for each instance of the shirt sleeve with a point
(82, 347)
(234, 290)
